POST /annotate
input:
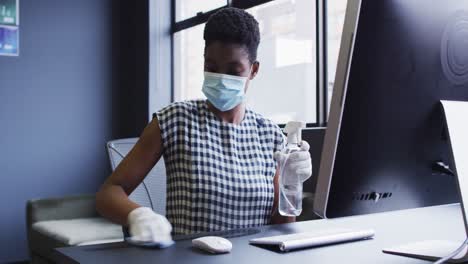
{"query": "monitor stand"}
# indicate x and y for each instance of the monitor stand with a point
(456, 116)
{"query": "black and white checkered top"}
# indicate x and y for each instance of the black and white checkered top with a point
(219, 175)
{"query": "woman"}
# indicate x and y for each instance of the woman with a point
(218, 154)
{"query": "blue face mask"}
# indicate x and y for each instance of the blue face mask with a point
(224, 91)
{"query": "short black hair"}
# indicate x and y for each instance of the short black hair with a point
(233, 25)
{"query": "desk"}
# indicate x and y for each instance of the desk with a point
(392, 228)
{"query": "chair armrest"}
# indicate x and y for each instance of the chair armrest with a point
(68, 207)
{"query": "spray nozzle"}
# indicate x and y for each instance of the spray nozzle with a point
(293, 130)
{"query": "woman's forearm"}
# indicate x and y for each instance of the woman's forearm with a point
(112, 199)
(112, 202)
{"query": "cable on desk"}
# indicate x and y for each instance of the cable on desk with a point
(453, 254)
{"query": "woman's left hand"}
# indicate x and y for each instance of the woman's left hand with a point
(299, 162)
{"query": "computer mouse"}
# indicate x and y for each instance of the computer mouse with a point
(213, 244)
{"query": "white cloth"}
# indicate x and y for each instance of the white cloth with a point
(146, 225)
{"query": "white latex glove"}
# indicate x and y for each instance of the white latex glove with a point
(298, 163)
(147, 226)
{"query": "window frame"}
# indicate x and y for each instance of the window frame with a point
(321, 50)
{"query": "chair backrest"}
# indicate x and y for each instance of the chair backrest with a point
(152, 191)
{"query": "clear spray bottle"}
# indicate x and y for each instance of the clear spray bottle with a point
(290, 194)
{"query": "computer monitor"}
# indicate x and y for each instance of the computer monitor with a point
(385, 147)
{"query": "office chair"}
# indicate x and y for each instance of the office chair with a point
(152, 191)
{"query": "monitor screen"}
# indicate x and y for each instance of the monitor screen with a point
(386, 146)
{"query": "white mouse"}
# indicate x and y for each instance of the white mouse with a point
(213, 244)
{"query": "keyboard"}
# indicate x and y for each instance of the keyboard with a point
(313, 239)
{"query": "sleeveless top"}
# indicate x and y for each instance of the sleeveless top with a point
(219, 175)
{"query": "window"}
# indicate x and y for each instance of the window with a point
(188, 63)
(190, 8)
(286, 86)
(335, 16)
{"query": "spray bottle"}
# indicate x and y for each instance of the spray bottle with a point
(290, 201)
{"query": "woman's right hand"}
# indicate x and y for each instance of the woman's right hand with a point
(147, 226)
